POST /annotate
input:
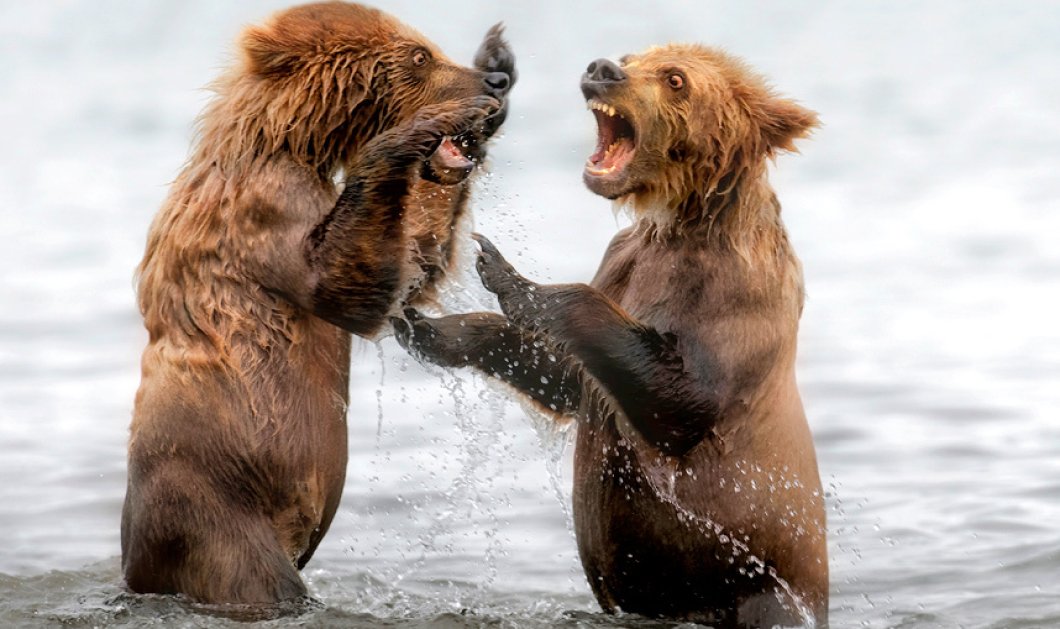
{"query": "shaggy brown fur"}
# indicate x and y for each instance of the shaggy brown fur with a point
(696, 491)
(257, 270)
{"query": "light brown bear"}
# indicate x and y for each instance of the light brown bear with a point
(696, 490)
(258, 270)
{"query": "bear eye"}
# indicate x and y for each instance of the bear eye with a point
(675, 81)
(420, 57)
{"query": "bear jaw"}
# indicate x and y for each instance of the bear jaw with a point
(606, 171)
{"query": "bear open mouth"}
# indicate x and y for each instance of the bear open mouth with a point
(453, 153)
(615, 142)
(453, 160)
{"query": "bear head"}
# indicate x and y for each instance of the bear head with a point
(678, 124)
(320, 80)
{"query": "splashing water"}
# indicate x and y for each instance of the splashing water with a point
(461, 290)
(468, 496)
(495, 406)
(379, 391)
(554, 433)
(428, 541)
(662, 475)
(844, 537)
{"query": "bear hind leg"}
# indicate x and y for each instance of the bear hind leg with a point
(225, 557)
(244, 564)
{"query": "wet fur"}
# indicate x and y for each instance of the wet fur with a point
(696, 490)
(257, 271)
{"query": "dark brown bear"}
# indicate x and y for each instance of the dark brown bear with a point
(696, 490)
(257, 271)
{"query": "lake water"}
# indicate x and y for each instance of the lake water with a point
(926, 212)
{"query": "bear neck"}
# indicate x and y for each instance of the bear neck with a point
(738, 211)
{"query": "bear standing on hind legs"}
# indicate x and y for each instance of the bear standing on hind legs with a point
(696, 491)
(257, 271)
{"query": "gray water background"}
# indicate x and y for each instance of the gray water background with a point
(925, 211)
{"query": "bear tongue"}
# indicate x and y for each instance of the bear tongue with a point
(612, 158)
(618, 154)
(448, 156)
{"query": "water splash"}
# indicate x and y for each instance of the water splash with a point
(379, 391)
(662, 475)
(554, 434)
(845, 551)
(495, 406)
(477, 419)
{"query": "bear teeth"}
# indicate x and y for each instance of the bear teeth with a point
(602, 107)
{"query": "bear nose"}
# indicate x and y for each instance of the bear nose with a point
(497, 83)
(605, 70)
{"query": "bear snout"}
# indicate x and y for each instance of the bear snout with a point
(601, 75)
(497, 83)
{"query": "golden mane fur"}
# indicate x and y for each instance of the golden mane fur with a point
(305, 90)
(713, 146)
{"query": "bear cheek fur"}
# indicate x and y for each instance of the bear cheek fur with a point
(401, 89)
(717, 125)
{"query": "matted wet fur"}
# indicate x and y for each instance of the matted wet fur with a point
(696, 490)
(258, 270)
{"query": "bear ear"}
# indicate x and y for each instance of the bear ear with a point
(265, 53)
(783, 121)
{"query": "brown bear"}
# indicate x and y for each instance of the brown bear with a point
(696, 491)
(258, 270)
